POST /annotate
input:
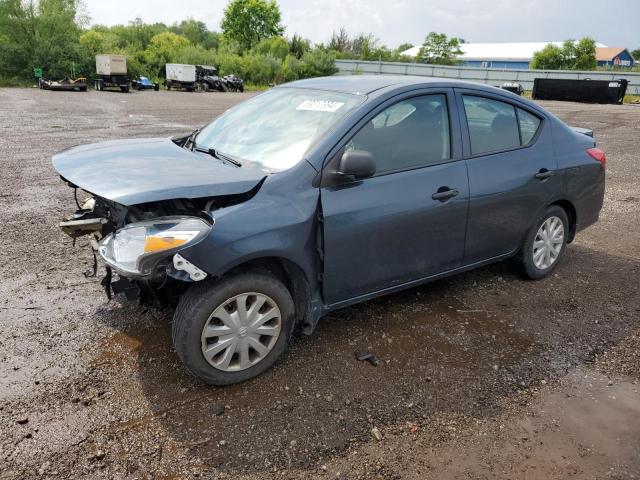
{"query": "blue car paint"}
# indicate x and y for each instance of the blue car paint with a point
(137, 171)
(377, 235)
(144, 81)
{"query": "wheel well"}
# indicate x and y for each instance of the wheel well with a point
(289, 273)
(568, 207)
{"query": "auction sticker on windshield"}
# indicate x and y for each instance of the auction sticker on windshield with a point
(320, 106)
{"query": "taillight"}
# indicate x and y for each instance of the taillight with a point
(598, 155)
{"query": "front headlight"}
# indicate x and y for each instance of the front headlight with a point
(130, 249)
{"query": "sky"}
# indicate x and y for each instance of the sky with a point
(612, 22)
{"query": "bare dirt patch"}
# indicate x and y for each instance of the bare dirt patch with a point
(482, 375)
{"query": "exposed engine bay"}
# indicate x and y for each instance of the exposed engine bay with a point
(162, 274)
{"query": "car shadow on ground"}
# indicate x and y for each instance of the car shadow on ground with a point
(452, 347)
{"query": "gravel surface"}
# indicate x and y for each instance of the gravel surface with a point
(482, 375)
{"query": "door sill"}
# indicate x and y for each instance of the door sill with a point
(413, 283)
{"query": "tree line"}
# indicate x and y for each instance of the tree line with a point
(55, 35)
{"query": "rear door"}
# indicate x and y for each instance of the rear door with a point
(512, 171)
(388, 230)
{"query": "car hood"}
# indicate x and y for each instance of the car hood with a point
(136, 171)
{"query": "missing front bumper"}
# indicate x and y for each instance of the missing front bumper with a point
(85, 226)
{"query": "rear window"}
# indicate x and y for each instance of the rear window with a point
(495, 126)
(528, 125)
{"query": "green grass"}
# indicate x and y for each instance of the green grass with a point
(252, 87)
(16, 82)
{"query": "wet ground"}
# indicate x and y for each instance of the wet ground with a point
(482, 375)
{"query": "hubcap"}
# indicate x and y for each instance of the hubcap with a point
(241, 331)
(548, 243)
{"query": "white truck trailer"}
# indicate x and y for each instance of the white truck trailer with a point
(181, 76)
(111, 73)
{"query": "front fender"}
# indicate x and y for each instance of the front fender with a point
(267, 225)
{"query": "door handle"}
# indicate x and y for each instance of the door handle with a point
(543, 174)
(444, 195)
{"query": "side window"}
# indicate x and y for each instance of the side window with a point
(492, 125)
(408, 134)
(528, 125)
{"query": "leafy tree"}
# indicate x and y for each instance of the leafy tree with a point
(319, 63)
(636, 54)
(276, 47)
(298, 46)
(292, 68)
(39, 34)
(340, 42)
(403, 47)
(438, 49)
(197, 33)
(549, 58)
(584, 52)
(164, 48)
(363, 45)
(249, 21)
(572, 55)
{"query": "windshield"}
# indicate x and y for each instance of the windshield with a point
(277, 127)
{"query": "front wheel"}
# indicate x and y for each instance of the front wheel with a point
(234, 329)
(545, 243)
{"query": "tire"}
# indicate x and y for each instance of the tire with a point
(534, 268)
(241, 88)
(199, 304)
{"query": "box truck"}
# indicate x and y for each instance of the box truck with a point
(111, 73)
(181, 76)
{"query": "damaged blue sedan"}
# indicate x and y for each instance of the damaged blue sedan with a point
(326, 192)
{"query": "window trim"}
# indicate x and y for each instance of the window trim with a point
(455, 152)
(461, 92)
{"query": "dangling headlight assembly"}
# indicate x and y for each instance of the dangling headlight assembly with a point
(135, 248)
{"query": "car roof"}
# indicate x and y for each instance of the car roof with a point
(366, 84)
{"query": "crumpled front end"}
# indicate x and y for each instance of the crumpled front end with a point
(140, 245)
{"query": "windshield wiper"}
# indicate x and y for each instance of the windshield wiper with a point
(218, 155)
(190, 140)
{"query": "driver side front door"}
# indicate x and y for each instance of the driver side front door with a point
(408, 221)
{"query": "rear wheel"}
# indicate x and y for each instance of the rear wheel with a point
(234, 329)
(545, 243)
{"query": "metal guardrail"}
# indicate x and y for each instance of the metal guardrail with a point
(489, 76)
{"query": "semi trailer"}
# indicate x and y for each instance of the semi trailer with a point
(180, 76)
(111, 72)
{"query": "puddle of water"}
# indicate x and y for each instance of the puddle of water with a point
(588, 428)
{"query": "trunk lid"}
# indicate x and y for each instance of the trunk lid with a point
(585, 131)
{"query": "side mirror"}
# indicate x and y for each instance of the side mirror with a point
(356, 165)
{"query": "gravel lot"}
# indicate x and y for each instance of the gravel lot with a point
(483, 375)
